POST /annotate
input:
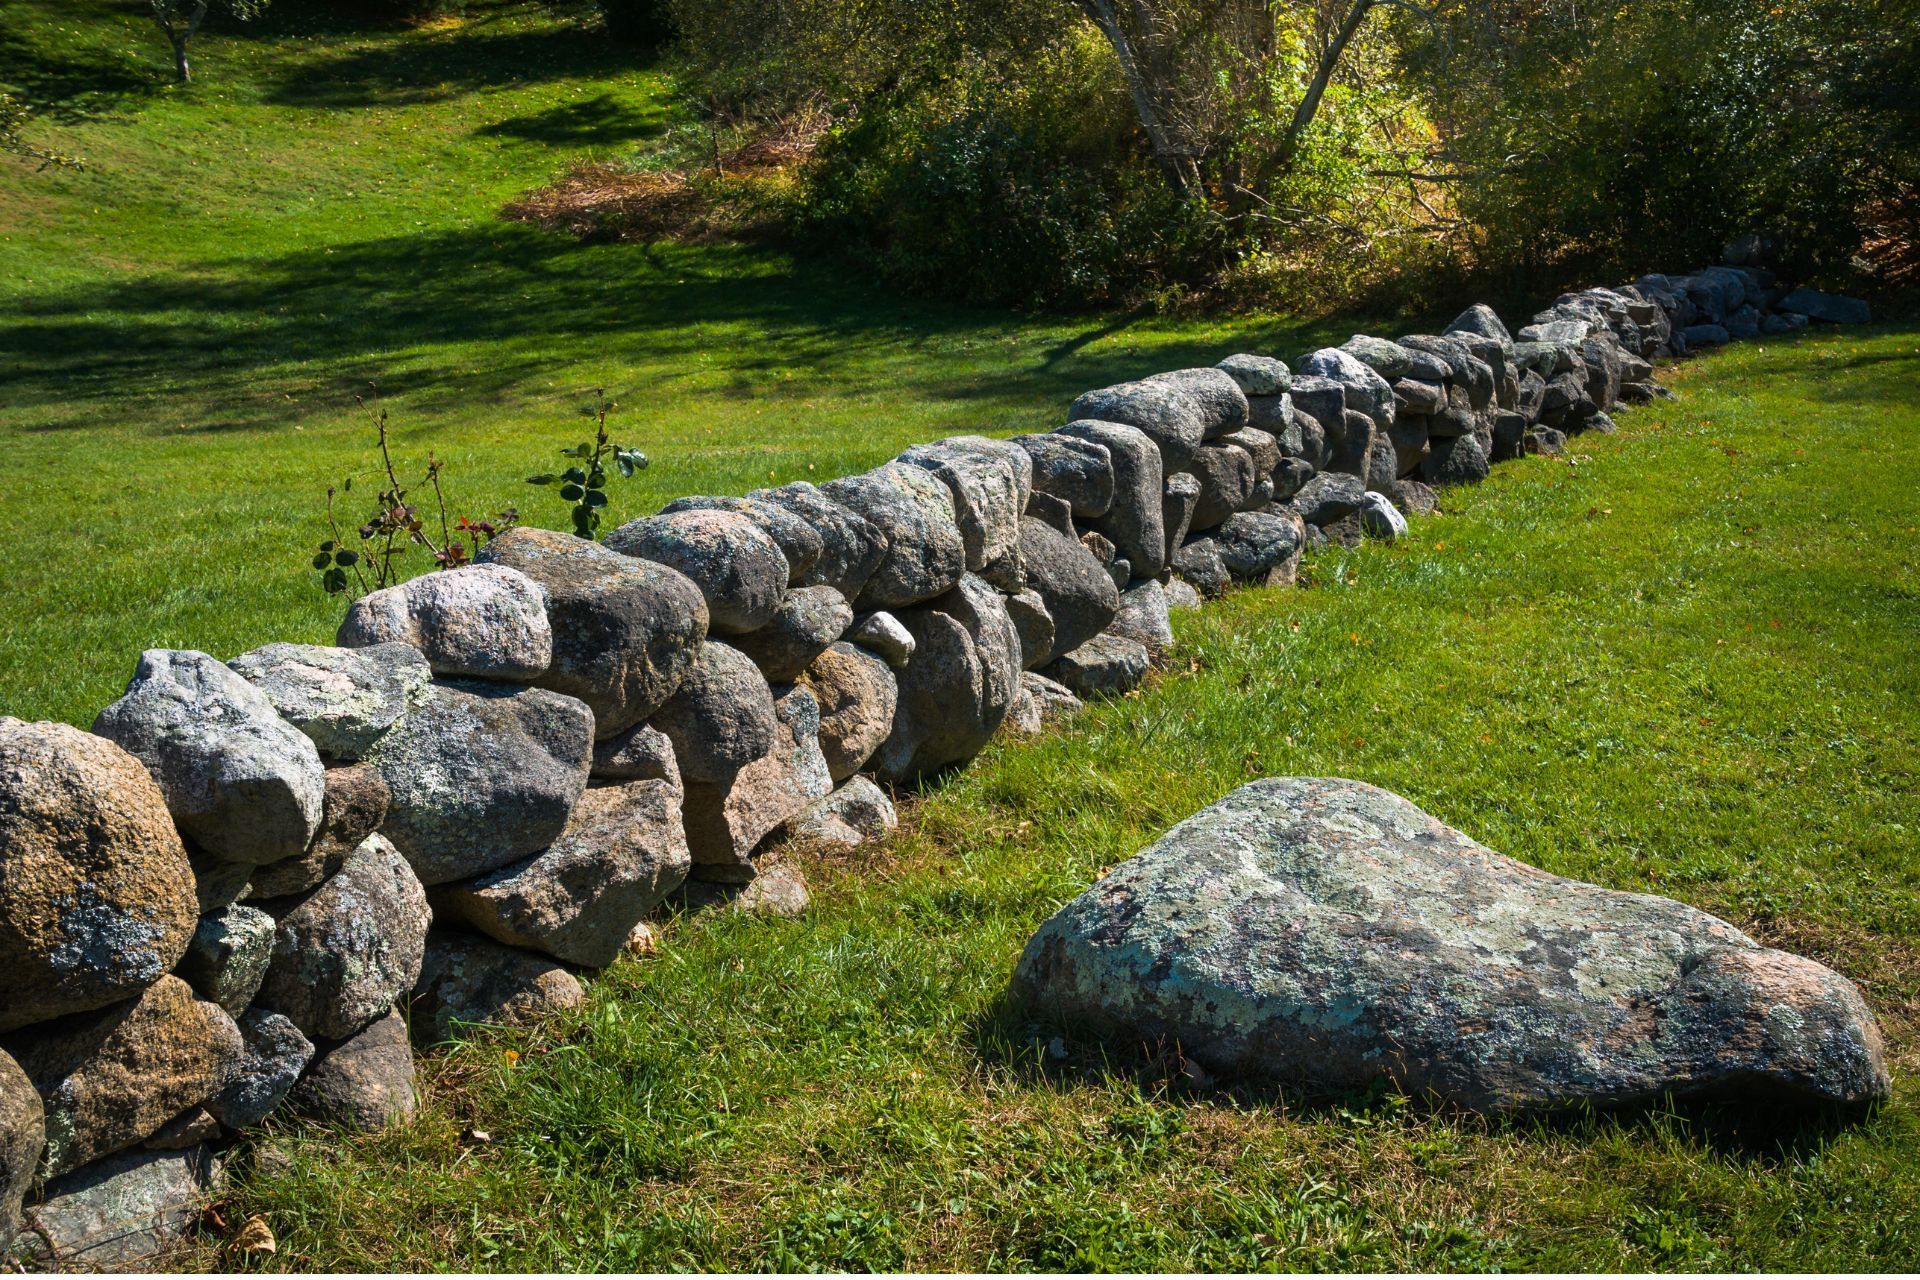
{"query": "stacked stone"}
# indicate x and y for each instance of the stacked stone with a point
(225, 897)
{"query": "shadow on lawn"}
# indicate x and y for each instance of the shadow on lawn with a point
(604, 121)
(68, 88)
(524, 302)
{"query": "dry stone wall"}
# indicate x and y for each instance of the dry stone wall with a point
(222, 900)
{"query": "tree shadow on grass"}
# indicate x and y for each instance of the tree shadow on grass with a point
(1044, 1053)
(69, 88)
(603, 121)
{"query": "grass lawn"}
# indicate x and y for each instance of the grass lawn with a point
(1683, 662)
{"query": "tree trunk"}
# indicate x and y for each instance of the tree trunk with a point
(1181, 169)
(180, 67)
(1310, 104)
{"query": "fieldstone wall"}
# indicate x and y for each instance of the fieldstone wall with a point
(259, 883)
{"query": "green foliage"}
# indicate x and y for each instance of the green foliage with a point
(584, 488)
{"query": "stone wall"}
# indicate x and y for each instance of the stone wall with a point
(257, 883)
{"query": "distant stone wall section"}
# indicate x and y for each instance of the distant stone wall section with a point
(226, 897)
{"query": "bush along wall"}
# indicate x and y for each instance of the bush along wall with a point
(257, 884)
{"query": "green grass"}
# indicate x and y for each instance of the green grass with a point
(1684, 662)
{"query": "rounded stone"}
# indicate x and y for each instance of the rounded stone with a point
(1078, 593)
(23, 1132)
(807, 621)
(858, 695)
(722, 716)
(365, 1083)
(481, 620)
(343, 699)
(799, 541)
(737, 565)
(469, 982)
(926, 553)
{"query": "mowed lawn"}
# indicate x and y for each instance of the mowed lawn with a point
(1682, 661)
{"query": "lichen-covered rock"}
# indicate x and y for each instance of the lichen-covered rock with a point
(469, 981)
(1134, 520)
(881, 633)
(1079, 594)
(242, 783)
(1262, 546)
(736, 564)
(1198, 563)
(641, 754)
(343, 699)
(97, 898)
(1078, 472)
(23, 1132)
(343, 953)
(1168, 414)
(480, 620)
(1102, 667)
(855, 814)
(721, 717)
(623, 852)
(1143, 616)
(1364, 389)
(122, 1213)
(483, 775)
(355, 805)
(110, 1078)
(857, 695)
(1257, 375)
(726, 821)
(1223, 405)
(925, 553)
(852, 546)
(799, 541)
(1328, 497)
(1034, 625)
(807, 621)
(364, 1084)
(1455, 460)
(228, 957)
(1324, 932)
(624, 630)
(987, 495)
(957, 687)
(274, 1054)
(1226, 480)
(777, 892)
(1388, 359)
(1381, 519)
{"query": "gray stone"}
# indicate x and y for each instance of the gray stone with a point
(1198, 562)
(1326, 933)
(111, 1078)
(1480, 319)
(1290, 477)
(1257, 375)
(227, 960)
(1079, 595)
(852, 547)
(722, 716)
(481, 620)
(779, 892)
(191, 1128)
(97, 898)
(1178, 501)
(857, 813)
(1828, 308)
(986, 492)
(125, 1212)
(1223, 405)
(1262, 546)
(274, 1054)
(957, 688)
(726, 821)
(1078, 472)
(343, 953)
(641, 754)
(1276, 416)
(1455, 460)
(857, 695)
(1418, 397)
(1327, 497)
(1354, 454)
(882, 633)
(1134, 520)
(1143, 616)
(807, 621)
(23, 1132)
(1262, 446)
(469, 982)
(1226, 480)
(1181, 595)
(1557, 331)
(799, 541)
(1165, 412)
(483, 775)
(624, 630)
(1363, 389)
(241, 783)
(1104, 666)
(1782, 323)
(356, 804)
(343, 699)
(1388, 359)
(1411, 443)
(1381, 519)
(623, 852)
(1052, 702)
(738, 567)
(364, 1084)
(1034, 625)
(1383, 462)
(1705, 335)
(925, 552)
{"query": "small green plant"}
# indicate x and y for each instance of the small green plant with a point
(584, 488)
(397, 524)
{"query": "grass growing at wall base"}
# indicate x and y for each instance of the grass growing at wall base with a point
(1681, 661)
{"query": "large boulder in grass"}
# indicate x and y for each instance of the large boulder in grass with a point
(23, 1132)
(726, 821)
(925, 552)
(242, 783)
(1134, 522)
(1078, 594)
(476, 982)
(480, 620)
(799, 541)
(1078, 472)
(857, 694)
(721, 717)
(343, 953)
(110, 1078)
(851, 546)
(987, 493)
(483, 775)
(343, 699)
(739, 568)
(1165, 412)
(96, 894)
(956, 688)
(1329, 935)
(624, 630)
(624, 850)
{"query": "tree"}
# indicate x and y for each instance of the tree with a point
(180, 20)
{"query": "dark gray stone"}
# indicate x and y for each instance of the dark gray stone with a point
(364, 1084)
(726, 821)
(273, 1056)
(1165, 412)
(1327, 497)
(1105, 666)
(1079, 595)
(925, 553)
(1226, 480)
(851, 546)
(468, 981)
(1455, 460)
(957, 687)
(1363, 389)
(356, 804)
(807, 621)
(1078, 472)
(738, 567)
(1134, 521)
(722, 716)
(1198, 562)
(125, 1212)
(227, 960)
(1034, 625)
(1827, 308)
(1262, 546)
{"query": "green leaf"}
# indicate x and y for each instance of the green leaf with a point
(346, 558)
(335, 581)
(327, 545)
(595, 498)
(571, 492)
(625, 464)
(321, 561)
(574, 474)
(583, 521)
(597, 479)
(346, 486)
(545, 477)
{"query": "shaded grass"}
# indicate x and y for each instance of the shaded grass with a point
(1681, 662)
